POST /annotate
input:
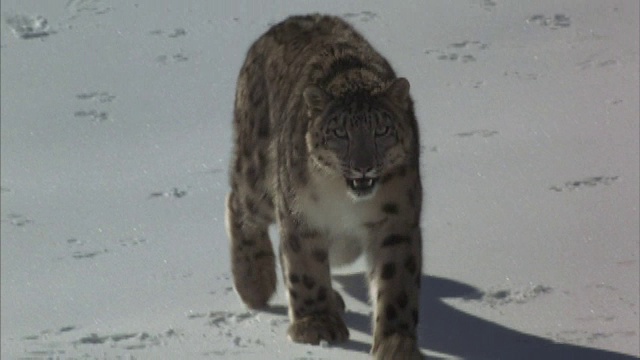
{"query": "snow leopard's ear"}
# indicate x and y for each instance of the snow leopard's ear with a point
(398, 92)
(316, 99)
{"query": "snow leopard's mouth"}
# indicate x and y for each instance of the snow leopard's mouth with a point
(362, 187)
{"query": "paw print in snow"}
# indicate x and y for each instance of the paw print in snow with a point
(29, 27)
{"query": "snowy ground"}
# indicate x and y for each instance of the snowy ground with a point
(115, 142)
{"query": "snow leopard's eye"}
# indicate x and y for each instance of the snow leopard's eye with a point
(382, 131)
(340, 133)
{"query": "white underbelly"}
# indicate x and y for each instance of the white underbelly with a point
(327, 207)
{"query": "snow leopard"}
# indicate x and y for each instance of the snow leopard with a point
(326, 146)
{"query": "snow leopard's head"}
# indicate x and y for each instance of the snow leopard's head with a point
(362, 136)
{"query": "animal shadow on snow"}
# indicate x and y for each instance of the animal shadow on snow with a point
(446, 330)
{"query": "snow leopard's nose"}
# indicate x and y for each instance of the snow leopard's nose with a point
(361, 153)
(361, 163)
(362, 172)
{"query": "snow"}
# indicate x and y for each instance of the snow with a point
(115, 140)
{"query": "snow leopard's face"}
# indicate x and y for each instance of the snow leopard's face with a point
(362, 139)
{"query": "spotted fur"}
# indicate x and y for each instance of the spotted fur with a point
(326, 145)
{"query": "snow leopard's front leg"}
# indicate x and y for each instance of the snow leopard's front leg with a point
(314, 307)
(394, 275)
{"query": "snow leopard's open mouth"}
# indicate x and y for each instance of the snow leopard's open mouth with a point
(362, 187)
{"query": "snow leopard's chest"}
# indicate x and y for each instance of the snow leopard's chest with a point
(327, 207)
